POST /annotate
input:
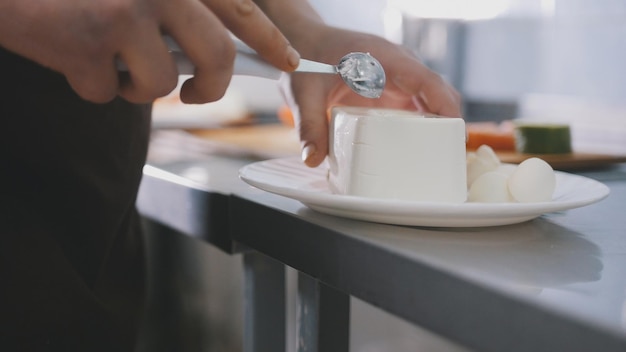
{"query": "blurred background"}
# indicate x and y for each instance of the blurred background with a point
(560, 60)
(498, 52)
(545, 59)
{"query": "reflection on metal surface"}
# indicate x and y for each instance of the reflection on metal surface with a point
(530, 257)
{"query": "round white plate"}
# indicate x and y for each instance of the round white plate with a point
(289, 177)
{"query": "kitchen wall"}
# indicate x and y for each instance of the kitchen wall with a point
(579, 51)
(499, 51)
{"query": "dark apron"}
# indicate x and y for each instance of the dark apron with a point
(72, 261)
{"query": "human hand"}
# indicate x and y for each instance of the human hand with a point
(410, 86)
(84, 39)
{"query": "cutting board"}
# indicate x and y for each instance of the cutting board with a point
(263, 141)
(571, 161)
(277, 140)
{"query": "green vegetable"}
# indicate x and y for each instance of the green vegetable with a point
(543, 139)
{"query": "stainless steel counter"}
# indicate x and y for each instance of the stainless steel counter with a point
(557, 283)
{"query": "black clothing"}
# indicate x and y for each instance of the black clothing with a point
(72, 261)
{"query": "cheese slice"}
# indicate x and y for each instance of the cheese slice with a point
(397, 154)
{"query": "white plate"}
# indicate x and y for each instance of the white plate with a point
(289, 177)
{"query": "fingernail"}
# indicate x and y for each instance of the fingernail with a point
(307, 152)
(293, 57)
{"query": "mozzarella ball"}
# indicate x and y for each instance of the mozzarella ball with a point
(480, 162)
(533, 181)
(506, 169)
(490, 187)
(487, 153)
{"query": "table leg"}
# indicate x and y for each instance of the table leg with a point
(264, 304)
(323, 317)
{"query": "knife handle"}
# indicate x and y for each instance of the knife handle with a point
(247, 61)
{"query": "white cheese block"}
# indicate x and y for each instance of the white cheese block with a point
(397, 154)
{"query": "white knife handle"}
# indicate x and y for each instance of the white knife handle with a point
(247, 62)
